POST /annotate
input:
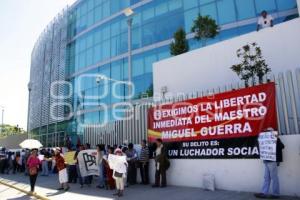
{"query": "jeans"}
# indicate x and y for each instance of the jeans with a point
(81, 179)
(271, 175)
(45, 169)
(101, 175)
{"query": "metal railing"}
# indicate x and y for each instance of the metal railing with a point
(135, 129)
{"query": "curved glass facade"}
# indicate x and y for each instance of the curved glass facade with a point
(97, 43)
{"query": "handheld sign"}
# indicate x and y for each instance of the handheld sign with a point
(267, 145)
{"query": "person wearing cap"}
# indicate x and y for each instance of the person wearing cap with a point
(264, 21)
(33, 164)
(271, 172)
(119, 173)
(62, 170)
(162, 164)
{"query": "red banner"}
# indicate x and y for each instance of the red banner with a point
(242, 113)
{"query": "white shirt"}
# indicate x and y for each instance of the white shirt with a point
(265, 22)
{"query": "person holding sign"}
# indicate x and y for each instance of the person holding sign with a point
(119, 165)
(270, 147)
(62, 170)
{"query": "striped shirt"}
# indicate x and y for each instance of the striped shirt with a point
(144, 156)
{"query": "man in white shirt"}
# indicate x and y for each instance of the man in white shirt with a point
(264, 21)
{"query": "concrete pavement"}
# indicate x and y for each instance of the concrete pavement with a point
(46, 186)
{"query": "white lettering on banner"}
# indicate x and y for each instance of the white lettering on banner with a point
(87, 162)
(239, 114)
(172, 123)
(225, 129)
(267, 145)
(202, 152)
(244, 151)
(185, 133)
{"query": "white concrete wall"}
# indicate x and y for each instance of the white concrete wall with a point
(239, 175)
(209, 67)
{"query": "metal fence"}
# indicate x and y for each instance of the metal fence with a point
(135, 129)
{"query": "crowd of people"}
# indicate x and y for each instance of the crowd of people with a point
(51, 161)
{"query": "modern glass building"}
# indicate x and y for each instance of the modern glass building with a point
(83, 54)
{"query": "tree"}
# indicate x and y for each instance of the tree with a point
(205, 28)
(251, 64)
(7, 130)
(180, 44)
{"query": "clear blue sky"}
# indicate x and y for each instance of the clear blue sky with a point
(21, 22)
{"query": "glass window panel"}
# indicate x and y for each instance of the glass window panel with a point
(89, 41)
(245, 9)
(115, 6)
(90, 19)
(106, 32)
(114, 46)
(97, 53)
(97, 36)
(116, 72)
(124, 3)
(106, 9)
(98, 13)
(163, 53)
(136, 38)
(89, 56)
(189, 17)
(190, 4)
(210, 10)
(148, 34)
(137, 66)
(106, 49)
(148, 13)
(90, 4)
(137, 18)
(123, 43)
(201, 2)
(115, 28)
(161, 8)
(149, 60)
(226, 10)
(175, 4)
(286, 4)
(268, 5)
(82, 60)
(83, 8)
(82, 44)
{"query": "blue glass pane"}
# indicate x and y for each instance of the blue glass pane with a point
(97, 53)
(226, 11)
(89, 56)
(98, 13)
(201, 2)
(106, 49)
(137, 66)
(190, 4)
(189, 17)
(175, 4)
(247, 29)
(268, 5)
(148, 13)
(210, 10)
(245, 9)
(286, 4)
(106, 9)
(149, 60)
(227, 34)
(161, 8)
(136, 38)
(148, 34)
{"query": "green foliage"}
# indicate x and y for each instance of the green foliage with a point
(180, 44)
(205, 28)
(251, 64)
(8, 130)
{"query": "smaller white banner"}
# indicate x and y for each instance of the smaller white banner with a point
(267, 145)
(117, 163)
(87, 162)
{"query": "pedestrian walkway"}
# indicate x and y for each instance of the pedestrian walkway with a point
(46, 186)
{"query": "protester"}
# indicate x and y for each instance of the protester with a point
(33, 164)
(119, 173)
(62, 171)
(72, 171)
(108, 172)
(144, 163)
(45, 167)
(132, 160)
(161, 165)
(271, 173)
(81, 179)
(264, 21)
(100, 154)
(88, 179)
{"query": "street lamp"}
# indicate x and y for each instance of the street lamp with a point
(29, 86)
(2, 121)
(128, 12)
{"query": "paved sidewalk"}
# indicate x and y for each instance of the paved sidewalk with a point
(46, 186)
